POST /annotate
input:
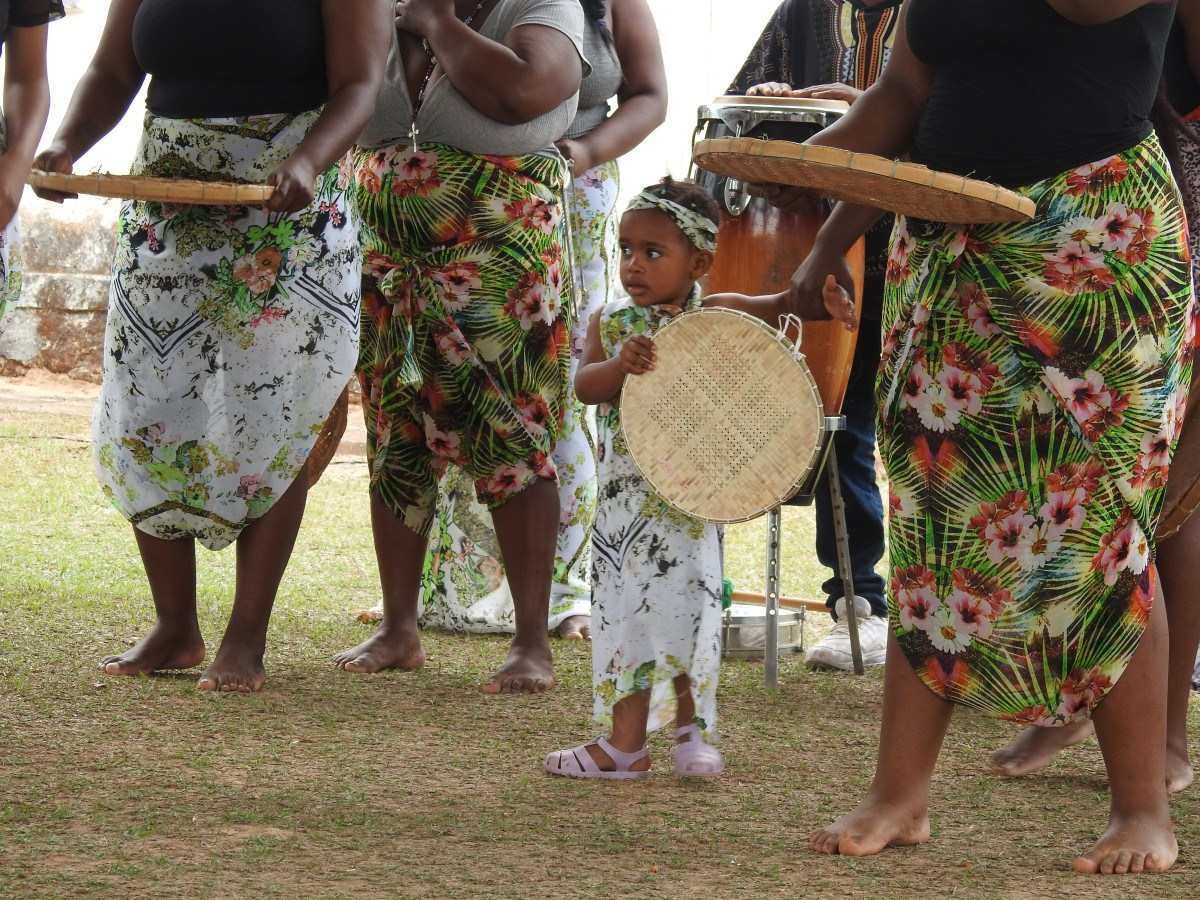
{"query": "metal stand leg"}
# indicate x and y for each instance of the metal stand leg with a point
(774, 539)
(843, 550)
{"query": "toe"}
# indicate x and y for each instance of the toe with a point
(1109, 863)
(1085, 865)
(208, 683)
(1121, 865)
(1137, 864)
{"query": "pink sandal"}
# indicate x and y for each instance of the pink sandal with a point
(578, 763)
(694, 758)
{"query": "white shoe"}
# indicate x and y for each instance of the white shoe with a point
(833, 651)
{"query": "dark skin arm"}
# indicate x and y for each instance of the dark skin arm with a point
(600, 378)
(642, 100)
(1097, 12)
(530, 73)
(26, 106)
(101, 98)
(882, 121)
(357, 48)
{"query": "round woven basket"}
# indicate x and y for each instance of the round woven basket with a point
(329, 438)
(898, 187)
(163, 190)
(729, 422)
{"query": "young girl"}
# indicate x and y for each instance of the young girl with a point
(656, 620)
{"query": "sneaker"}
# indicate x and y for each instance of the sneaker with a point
(833, 651)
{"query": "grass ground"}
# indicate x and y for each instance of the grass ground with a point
(417, 785)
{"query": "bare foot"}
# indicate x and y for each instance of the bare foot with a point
(237, 668)
(575, 628)
(873, 826)
(1130, 846)
(527, 670)
(387, 648)
(164, 648)
(1035, 748)
(1179, 771)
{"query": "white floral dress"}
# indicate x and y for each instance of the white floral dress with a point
(656, 573)
(231, 333)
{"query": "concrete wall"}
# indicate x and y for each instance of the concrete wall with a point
(58, 324)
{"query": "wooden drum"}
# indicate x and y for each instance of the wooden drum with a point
(760, 246)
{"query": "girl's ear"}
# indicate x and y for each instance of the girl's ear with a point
(702, 261)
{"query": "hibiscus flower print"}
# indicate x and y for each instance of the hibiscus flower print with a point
(901, 502)
(528, 302)
(446, 445)
(534, 412)
(1081, 691)
(1097, 176)
(978, 310)
(534, 213)
(456, 281)
(452, 345)
(1086, 398)
(901, 249)
(1078, 269)
(507, 481)
(915, 591)
(258, 271)
(1063, 511)
(1144, 231)
(415, 173)
(1125, 548)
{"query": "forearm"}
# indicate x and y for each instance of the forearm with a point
(845, 225)
(26, 108)
(635, 118)
(98, 104)
(599, 382)
(493, 77)
(346, 113)
(882, 121)
(1096, 12)
(768, 307)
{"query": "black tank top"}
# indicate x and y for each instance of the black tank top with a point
(1021, 93)
(218, 58)
(27, 14)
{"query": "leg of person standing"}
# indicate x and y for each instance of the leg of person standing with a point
(855, 448)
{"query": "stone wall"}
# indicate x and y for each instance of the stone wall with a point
(58, 323)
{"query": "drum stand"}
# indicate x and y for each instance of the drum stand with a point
(827, 465)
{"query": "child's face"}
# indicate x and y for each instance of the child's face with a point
(658, 264)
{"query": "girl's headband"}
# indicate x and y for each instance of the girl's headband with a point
(696, 227)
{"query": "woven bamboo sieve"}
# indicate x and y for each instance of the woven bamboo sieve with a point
(729, 423)
(898, 187)
(162, 190)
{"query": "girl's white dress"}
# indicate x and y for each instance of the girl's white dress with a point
(657, 576)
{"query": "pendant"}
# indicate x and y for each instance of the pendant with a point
(413, 131)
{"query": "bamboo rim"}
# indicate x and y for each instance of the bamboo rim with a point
(162, 190)
(899, 187)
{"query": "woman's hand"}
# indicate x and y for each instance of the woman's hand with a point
(577, 154)
(637, 356)
(822, 288)
(54, 159)
(835, 91)
(295, 186)
(419, 17)
(770, 89)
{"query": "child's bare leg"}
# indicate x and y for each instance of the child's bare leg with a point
(1176, 567)
(628, 732)
(685, 703)
(896, 809)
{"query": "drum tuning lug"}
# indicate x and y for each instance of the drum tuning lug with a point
(735, 197)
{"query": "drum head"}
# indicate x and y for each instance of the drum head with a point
(729, 423)
(887, 184)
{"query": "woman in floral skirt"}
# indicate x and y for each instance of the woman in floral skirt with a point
(464, 588)
(1032, 386)
(231, 330)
